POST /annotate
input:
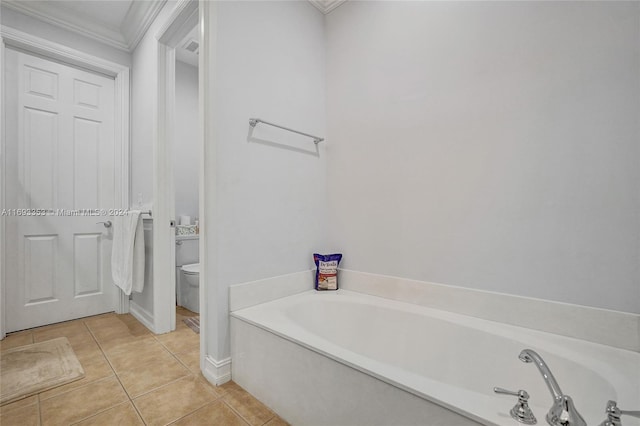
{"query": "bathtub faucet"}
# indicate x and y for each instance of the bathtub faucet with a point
(563, 412)
(614, 414)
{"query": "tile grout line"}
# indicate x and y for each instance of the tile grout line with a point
(218, 397)
(86, 384)
(243, 418)
(40, 400)
(237, 413)
(188, 414)
(39, 410)
(115, 373)
(96, 413)
(191, 373)
(147, 392)
(192, 412)
(183, 364)
(219, 400)
(131, 399)
(135, 407)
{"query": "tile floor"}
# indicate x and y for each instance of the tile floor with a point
(133, 377)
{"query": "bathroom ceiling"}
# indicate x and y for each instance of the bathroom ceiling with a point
(118, 23)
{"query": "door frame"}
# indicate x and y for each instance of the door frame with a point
(182, 19)
(120, 73)
(185, 15)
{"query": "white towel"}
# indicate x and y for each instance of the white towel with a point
(127, 255)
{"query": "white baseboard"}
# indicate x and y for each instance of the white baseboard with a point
(217, 372)
(142, 315)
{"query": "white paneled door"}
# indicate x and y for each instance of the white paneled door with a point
(60, 155)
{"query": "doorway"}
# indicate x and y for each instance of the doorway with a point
(185, 146)
(177, 134)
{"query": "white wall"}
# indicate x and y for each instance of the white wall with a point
(27, 24)
(185, 150)
(491, 145)
(270, 196)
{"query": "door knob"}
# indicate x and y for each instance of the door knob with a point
(107, 224)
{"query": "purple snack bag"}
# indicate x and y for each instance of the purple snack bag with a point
(327, 270)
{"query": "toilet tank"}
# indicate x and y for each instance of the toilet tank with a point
(187, 250)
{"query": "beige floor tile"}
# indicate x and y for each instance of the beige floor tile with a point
(122, 345)
(174, 401)
(115, 342)
(215, 389)
(181, 310)
(191, 360)
(75, 331)
(135, 355)
(228, 386)
(120, 415)
(101, 321)
(76, 340)
(277, 421)
(158, 371)
(180, 341)
(215, 414)
(87, 351)
(110, 330)
(115, 328)
(181, 315)
(58, 325)
(19, 404)
(180, 325)
(96, 368)
(14, 340)
(120, 324)
(23, 416)
(161, 372)
(252, 411)
(81, 403)
(94, 317)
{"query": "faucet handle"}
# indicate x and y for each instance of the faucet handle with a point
(521, 411)
(614, 414)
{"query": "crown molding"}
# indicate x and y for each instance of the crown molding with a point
(326, 6)
(136, 23)
(70, 20)
(139, 18)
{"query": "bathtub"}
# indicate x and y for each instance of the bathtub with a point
(346, 358)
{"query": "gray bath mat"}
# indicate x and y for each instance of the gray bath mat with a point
(193, 323)
(30, 369)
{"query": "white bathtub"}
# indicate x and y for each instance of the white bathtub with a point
(347, 358)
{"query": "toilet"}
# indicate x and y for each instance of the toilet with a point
(190, 287)
(188, 272)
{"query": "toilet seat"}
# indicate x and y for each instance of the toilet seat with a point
(192, 269)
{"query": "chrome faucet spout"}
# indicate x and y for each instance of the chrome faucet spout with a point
(528, 355)
(563, 412)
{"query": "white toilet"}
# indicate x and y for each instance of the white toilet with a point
(190, 287)
(188, 272)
